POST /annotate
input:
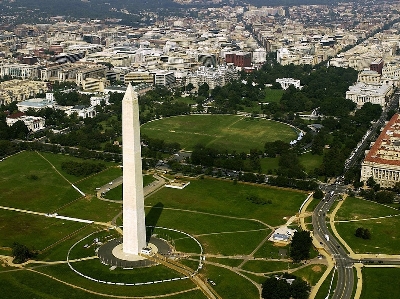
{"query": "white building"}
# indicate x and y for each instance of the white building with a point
(369, 77)
(17, 70)
(35, 104)
(164, 78)
(82, 111)
(33, 123)
(286, 82)
(97, 100)
(362, 93)
(212, 76)
(259, 56)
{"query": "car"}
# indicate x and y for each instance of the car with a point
(110, 183)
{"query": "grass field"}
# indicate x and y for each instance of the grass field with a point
(224, 132)
(324, 289)
(310, 161)
(384, 239)
(269, 266)
(225, 279)
(116, 193)
(311, 273)
(225, 198)
(216, 212)
(269, 165)
(273, 95)
(380, 283)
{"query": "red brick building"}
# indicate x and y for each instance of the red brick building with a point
(377, 66)
(240, 59)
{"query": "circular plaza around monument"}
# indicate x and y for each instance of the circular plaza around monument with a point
(98, 254)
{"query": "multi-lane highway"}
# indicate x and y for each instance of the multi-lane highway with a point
(343, 263)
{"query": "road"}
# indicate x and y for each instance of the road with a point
(343, 261)
(371, 133)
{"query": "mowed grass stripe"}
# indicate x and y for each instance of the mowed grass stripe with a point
(226, 132)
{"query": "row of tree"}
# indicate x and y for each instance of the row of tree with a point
(286, 286)
(82, 168)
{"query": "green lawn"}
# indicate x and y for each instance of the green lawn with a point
(357, 208)
(268, 266)
(216, 212)
(230, 285)
(311, 273)
(63, 272)
(380, 283)
(116, 193)
(384, 238)
(225, 198)
(310, 161)
(232, 243)
(269, 165)
(232, 262)
(324, 289)
(270, 251)
(29, 182)
(273, 95)
(57, 159)
(225, 132)
(313, 204)
(89, 184)
(25, 229)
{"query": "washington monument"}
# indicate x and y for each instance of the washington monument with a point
(134, 227)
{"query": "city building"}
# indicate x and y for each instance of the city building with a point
(164, 78)
(362, 93)
(382, 161)
(35, 104)
(81, 111)
(20, 90)
(369, 77)
(286, 82)
(240, 59)
(377, 66)
(33, 123)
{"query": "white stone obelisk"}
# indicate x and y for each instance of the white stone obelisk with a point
(134, 227)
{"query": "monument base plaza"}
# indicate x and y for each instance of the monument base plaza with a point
(112, 254)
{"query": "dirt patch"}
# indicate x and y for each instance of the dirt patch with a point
(280, 244)
(316, 268)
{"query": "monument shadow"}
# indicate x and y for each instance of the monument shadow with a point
(152, 218)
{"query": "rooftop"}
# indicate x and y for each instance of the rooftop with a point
(386, 149)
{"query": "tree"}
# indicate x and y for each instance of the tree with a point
(363, 233)
(203, 90)
(371, 182)
(384, 196)
(300, 246)
(274, 288)
(19, 130)
(318, 194)
(21, 253)
(280, 288)
(300, 289)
